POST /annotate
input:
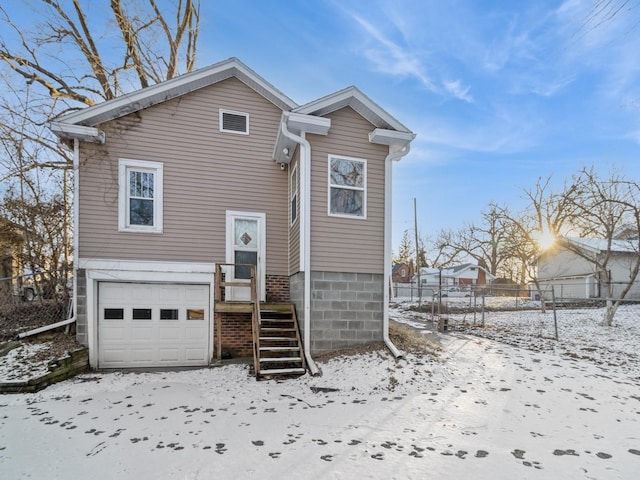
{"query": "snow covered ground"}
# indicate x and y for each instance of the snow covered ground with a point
(484, 410)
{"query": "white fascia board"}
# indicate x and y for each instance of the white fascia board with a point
(145, 266)
(298, 122)
(82, 133)
(176, 87)
(390, 137)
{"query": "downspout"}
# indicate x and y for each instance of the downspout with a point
(305, 233)
(394, 155)
(76, 189)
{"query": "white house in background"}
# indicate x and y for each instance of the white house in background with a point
(573, 276)
(466, 276)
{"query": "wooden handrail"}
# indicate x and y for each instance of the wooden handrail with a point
(255, 301)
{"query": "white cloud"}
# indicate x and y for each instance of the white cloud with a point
(390, 58)
(458, 90)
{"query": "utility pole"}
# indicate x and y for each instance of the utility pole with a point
(415, 222)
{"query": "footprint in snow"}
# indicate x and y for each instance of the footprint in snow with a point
(327, 458)
(481, 454)
(257, 443)
(378, 456)
(519, 454)
(560, 453)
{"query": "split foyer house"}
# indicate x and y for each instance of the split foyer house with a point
(208, 194)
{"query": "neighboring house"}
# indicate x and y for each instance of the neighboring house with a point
(573, 276)
(402, 272)
(219, 167)
(466, 277)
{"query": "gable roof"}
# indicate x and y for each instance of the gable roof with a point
(354, 98)
(176, 87)
(599, 245)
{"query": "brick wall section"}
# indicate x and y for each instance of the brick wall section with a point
(277, 289)
(81, 314)
(346, 308)
(237, 338)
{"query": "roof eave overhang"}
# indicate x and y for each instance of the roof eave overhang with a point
(176, 87)
(297, 123)
(384, 136)
(66, 131)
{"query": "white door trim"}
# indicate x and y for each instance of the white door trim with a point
(261, 217)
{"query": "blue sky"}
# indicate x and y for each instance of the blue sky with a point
(499, 93)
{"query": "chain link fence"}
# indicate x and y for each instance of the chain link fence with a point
(570, 325)
(32, 301)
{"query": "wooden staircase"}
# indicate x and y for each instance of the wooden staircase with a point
(278, 347)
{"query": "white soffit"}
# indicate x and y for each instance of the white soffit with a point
(390, 137)
(86, 134)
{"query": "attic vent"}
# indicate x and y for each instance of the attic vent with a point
(234, 122)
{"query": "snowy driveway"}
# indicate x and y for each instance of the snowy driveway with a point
(489, 412)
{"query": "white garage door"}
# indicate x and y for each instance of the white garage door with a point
(152, 325)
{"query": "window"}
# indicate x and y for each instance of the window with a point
(195, 314)
(234, 122)
(113, 313)
(168, 314)
(140, 196)
(294, 194)
(141, 314)
(347, 187)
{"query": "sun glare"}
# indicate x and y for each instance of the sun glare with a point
(545, 240)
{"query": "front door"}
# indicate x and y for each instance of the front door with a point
(245, 246)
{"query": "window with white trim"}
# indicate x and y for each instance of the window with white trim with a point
(347, 187)
(293, 186)
(234, 122)
(140, 196)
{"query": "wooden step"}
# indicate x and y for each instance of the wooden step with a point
(276, 330)
(279, 349)
(280, 359)
(278, 339)
(283, 371)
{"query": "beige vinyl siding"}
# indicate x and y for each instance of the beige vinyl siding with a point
(347, 244)
(206, 172)
(294, 230)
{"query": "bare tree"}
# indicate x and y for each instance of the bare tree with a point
(64, 57)
(149, 50)
(604, 207)
(483, 241)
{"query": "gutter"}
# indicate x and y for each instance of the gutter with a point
(76, 190)
(305, 234)
(396, 152)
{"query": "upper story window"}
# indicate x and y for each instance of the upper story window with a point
(140, 196)
(293, 185)
(234, 122)
(347, 187)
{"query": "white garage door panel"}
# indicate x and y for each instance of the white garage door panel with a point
(149, 325)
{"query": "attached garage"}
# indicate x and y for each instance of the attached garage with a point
(153, 324)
